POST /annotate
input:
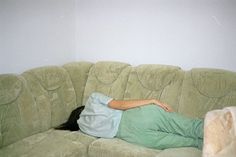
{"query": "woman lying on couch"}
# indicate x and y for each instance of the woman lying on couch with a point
(147, 122)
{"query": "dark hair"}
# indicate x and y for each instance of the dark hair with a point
(71, 123)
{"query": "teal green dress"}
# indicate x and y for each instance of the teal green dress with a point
(153, 127)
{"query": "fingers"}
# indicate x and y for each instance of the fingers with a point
(163, 105)
(166, 107)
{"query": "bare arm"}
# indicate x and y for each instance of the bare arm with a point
(128, 104)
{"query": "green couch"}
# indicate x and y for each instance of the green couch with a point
(34, 102)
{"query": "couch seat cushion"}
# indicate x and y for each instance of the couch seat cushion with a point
(117, 148)
(52, 143)
(180, 152)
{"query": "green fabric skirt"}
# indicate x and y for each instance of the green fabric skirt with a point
(152, 127)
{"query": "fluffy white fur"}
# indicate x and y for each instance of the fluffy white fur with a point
(220, 133)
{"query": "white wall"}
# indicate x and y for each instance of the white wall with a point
(36, 33)
(187, 33)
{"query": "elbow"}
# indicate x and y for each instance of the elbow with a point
(116, 105)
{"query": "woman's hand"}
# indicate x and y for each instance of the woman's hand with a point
(163, 105)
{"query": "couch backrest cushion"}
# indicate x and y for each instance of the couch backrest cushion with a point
(109, 78)
(18, 112)
(155, 81)
(53, 92)
(78, 72)
(207, 89)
